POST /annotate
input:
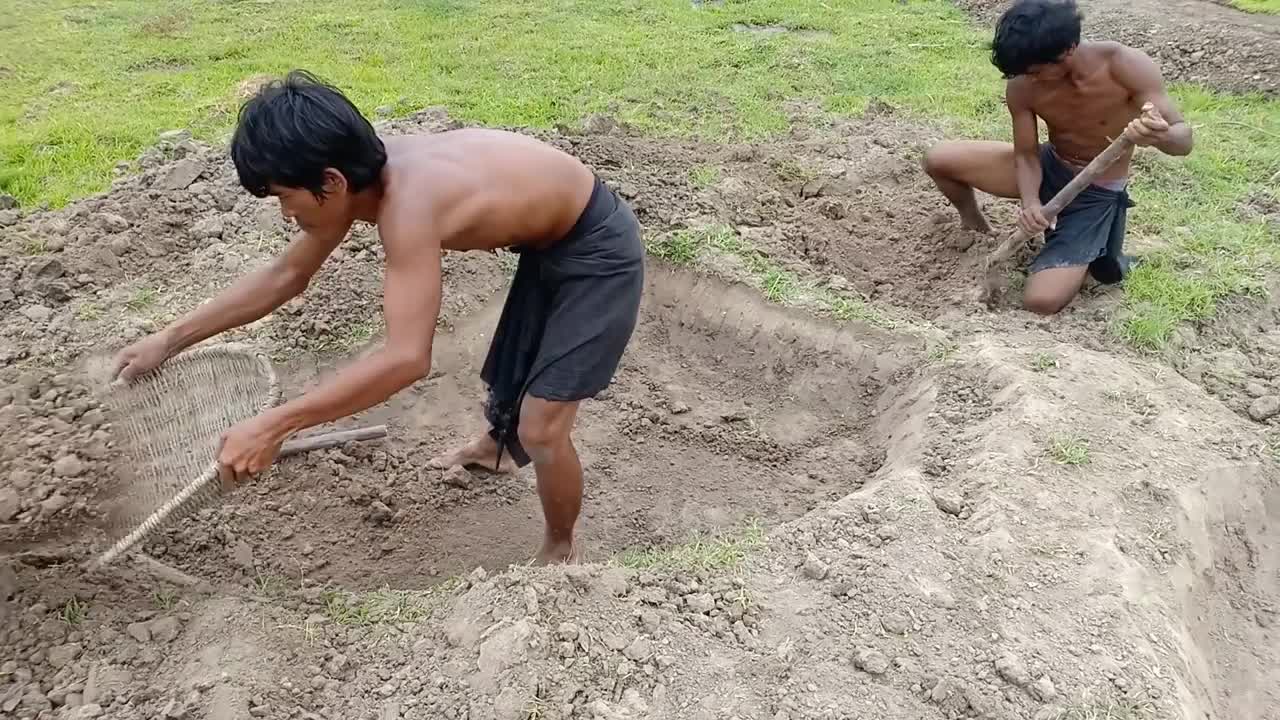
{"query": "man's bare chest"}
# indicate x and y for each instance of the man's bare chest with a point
(1098, 112)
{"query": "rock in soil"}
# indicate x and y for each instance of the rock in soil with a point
(815, 569)
(1265, 408)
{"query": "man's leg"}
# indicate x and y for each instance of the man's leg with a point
(479, 452)
(544, 430)
(1048, 291)
(958, 167)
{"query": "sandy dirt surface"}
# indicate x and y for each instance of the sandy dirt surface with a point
(944, 512)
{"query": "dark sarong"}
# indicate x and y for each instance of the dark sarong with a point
(1090, 230)
(568, 317)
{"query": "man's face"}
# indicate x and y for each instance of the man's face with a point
(1051, 72)
(308, 211)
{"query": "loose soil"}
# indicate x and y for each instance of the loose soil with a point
(940, 512)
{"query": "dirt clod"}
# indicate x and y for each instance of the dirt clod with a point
(815, 569)
(164, 629)
(1265, 408)
(949, 502)
(459, 477)
(871, 661)
(1011, 668)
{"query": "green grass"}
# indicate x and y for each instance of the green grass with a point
(1271, 7)
(704, 553)
(704, 176)
(1069, 450)
(1109, 709)
(88, 85)
(689, 247)
(74, 612)
(164, 599)
(377, 607)
(1044, 362)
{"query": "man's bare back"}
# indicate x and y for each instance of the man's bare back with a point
(486, 189)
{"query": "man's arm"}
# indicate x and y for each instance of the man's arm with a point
(411, 305)
(1026, 160)
(255, 295)
(1142, 77)
(1026, 146)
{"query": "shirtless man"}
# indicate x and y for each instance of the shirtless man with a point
(569, 315)
(1087, 93)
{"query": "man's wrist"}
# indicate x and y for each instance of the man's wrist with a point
(288, 418)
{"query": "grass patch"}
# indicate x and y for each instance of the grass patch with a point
(689, 247)
(1069, 450)
(704, 553)
(380, 607)
(682, 248)
(164, 600)
(35, 246)
(74, 612)
(704, 176)
(1270, 7)
(268, 585)
(141, 299)
(942, 351)
(1044, 362)
(1110, 709)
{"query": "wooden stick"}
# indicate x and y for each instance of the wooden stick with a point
(1082, 180)
(331, 439)
(163, 571)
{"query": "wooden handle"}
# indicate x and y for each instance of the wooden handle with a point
(1083, 179)
(331, 439)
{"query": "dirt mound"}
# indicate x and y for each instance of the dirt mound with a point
(1193, 41)
(979, 572)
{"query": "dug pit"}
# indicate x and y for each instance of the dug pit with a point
(726, 411)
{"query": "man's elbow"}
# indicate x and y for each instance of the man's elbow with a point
(412, 366)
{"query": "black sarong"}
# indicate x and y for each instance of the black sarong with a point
(1090, 230)
(568, 317)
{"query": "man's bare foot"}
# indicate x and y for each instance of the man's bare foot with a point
(561, 553)
(480, 452)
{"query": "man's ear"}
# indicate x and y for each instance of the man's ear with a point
(334, 182)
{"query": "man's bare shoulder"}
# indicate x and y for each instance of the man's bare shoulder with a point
(1017, 93)
(1128, 63)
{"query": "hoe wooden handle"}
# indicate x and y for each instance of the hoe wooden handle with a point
(1083, 179)
(331, 439)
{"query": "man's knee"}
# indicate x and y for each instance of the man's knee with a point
(937, 161)
(544, 426)
(1044, 303)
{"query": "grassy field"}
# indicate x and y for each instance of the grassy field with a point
(1258, 6)
(86, 86)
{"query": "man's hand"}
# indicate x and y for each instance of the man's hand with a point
(1148, 129)
(1032, 220)
(250, 447)
(141, 357)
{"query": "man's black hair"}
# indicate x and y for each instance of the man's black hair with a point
(1034, 32)
(291, 130)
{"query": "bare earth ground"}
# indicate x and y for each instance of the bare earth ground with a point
(940, 512)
